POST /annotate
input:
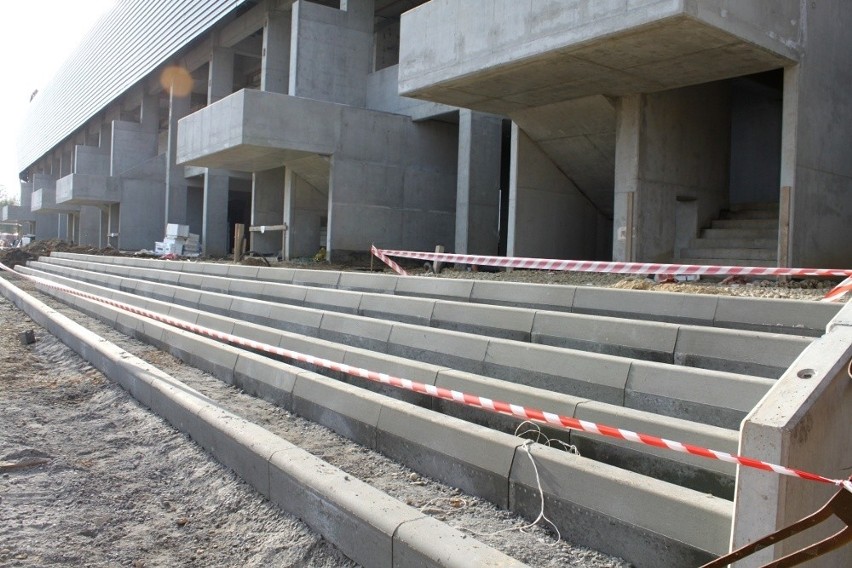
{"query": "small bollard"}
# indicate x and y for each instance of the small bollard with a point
(27, 337)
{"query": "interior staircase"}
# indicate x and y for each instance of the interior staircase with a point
(744, 235)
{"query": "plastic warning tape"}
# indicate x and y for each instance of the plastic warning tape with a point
(481, 402)
(387, 260)
(612, 267)
(838, 292)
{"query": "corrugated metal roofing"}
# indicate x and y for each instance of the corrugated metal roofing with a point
(127, 44)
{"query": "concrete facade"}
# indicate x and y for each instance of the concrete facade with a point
(663, 115)
(269, 113)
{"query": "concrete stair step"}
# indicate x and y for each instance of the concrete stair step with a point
(750, 214)
(748, 224)
(751, 234)
(725, 262)
(734, 243)
(755, 206)
(736, 253)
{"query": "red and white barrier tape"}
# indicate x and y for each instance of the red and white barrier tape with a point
(838, 292)
(481, 402)
(612, 267)
(384, 258)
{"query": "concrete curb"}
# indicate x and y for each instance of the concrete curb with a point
(361, 521)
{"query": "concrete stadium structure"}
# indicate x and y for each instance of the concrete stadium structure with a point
(655, 130)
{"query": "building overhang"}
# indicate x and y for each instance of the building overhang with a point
(252, 131)
(16, 214)
(511, 56)
(44, 201)
(84, 189)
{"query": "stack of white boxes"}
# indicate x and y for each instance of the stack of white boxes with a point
(179, 241)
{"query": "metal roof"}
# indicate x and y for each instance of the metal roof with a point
(127, 44)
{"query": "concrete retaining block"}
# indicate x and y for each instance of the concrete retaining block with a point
(261, 376)
(745, 352)
(215, 303)
(585, 375)
(290, 318)
(187, 279)
(703, 475)
(441, 288)
(359, 520)
(493, 321)
(334, 300)
(536, 296)
(243, 446)
(282, 275)
(367, 282)
(214, 269)
(241, 271)
(249, 289)
(637, 304)
(775, 316)
(357, 331)
(283, 293)
(427, 542)
(505, 391)
(474, 459)
(597, 334)
(711, 397)
(610, 510)
(346, 409)
(322, 278)
(208, 355)
(438, 347)
(416, 311)
(394, 366)
(217, 284)
(161, 292)
(186, 297)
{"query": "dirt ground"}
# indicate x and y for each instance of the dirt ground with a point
(90, 478)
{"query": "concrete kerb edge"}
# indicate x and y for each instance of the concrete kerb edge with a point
(211, 415)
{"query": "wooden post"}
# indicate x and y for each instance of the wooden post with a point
(239, 234)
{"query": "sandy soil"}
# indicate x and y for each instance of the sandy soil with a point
(91, 478)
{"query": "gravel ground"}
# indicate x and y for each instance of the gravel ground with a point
(94, 479)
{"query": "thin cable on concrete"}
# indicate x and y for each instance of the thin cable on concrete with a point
(542, 438)
(541, 516)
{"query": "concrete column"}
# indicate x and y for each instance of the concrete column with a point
(789, 153)
(627, 144)
(220, 79)
(477, 193)
(175, 211)
(511, 225)
(89, 226)
(214, 227)
(105, 138)
(304, 207)
(267, 208)
(275, 59)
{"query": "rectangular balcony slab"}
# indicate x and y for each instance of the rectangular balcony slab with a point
(504, 56)
(256, 130)
(44, 201)
(82, 189)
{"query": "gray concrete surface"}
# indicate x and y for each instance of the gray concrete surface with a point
(358, 519)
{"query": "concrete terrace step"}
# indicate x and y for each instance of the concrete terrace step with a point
(748, 224)
(685, 528)
(744, 254)
(652, 341)
(755, 206)
(734, 243)
(751, 214)
(712, 397)
(751, 234)
(775, 316)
